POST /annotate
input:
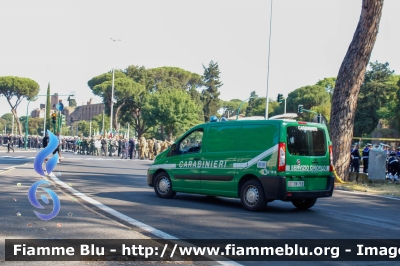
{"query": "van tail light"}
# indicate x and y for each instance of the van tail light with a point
(331, 159)
(281, 157)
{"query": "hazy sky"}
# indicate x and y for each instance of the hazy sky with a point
(67, 43)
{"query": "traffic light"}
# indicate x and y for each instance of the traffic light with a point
(300, 109)
(280, 98)
(54, 118)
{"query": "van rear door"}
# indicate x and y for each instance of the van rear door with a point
(297, 157)
(319, 159)
(307, 158)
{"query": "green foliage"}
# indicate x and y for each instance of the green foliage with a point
(196, 97)
(312, 96)
(66, 131)
(35, 126)
(174, 78)
(11, 86)
(251, 104)
(328, 84)
(83, 128)
(230, 108)
(378, 90)
(210, 95)
(97, 122)
(174, 109)
(126, 91)
(17, 88)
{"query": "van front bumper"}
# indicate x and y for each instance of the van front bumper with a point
(275, 188)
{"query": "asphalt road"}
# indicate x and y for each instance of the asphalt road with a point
(121, 184)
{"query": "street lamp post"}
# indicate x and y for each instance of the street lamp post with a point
(26, 119)
(112, 90)
(269, 52)
(112, 100)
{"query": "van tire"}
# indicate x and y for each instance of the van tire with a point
(163, 186)
(304, 204)
(252, 196)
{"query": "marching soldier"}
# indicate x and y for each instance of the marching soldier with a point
(151, 149)
(157, 147)
(142, 146)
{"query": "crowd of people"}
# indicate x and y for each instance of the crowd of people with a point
(117, 146)
(392, 159)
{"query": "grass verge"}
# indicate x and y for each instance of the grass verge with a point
(386, 189)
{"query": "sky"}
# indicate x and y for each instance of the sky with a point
(66, 43)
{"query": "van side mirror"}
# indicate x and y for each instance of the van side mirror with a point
(173, 147)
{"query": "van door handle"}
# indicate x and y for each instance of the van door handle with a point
(315, 161)
(196, 158)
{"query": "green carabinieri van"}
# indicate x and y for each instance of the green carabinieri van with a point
(257, 161)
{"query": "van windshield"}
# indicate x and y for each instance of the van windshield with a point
(306, 141)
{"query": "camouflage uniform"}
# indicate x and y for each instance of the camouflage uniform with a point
(143, 147)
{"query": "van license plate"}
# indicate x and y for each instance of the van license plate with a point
(295, 183)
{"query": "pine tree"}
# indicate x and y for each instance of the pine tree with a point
(348, 83)
(210, 94)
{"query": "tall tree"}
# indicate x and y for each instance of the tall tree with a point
(19, 88)
(328, 84)
(210, 95)
(124, 90)
(251, 103)
(348, 83)
(175, 78)
(8, 117)
(311, 97)
(132, 110)
(375, 93)
(172, 108)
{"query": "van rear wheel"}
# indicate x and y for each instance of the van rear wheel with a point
(252, 196)
(304, 204)
(163, 186)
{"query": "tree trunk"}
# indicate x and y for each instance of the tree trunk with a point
(14, 112)
(115, 122)
(349, 80)
(139, 123)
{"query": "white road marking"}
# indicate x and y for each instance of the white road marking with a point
(126, 218)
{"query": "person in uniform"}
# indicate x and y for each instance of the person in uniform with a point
(103, 142)
(132, 146)
(355, 155)
(398, 152)
(157, 147)
(142, 145)
(365, 156)
(150, 148)
(10, 143)
(393, 167)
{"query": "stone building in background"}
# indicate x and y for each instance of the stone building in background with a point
(84, 112)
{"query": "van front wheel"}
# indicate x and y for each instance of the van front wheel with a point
(304, 204)
(163, 186)
(252, 196)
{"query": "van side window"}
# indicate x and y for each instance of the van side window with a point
(306, 142)
(297, 142)
(192, 142)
